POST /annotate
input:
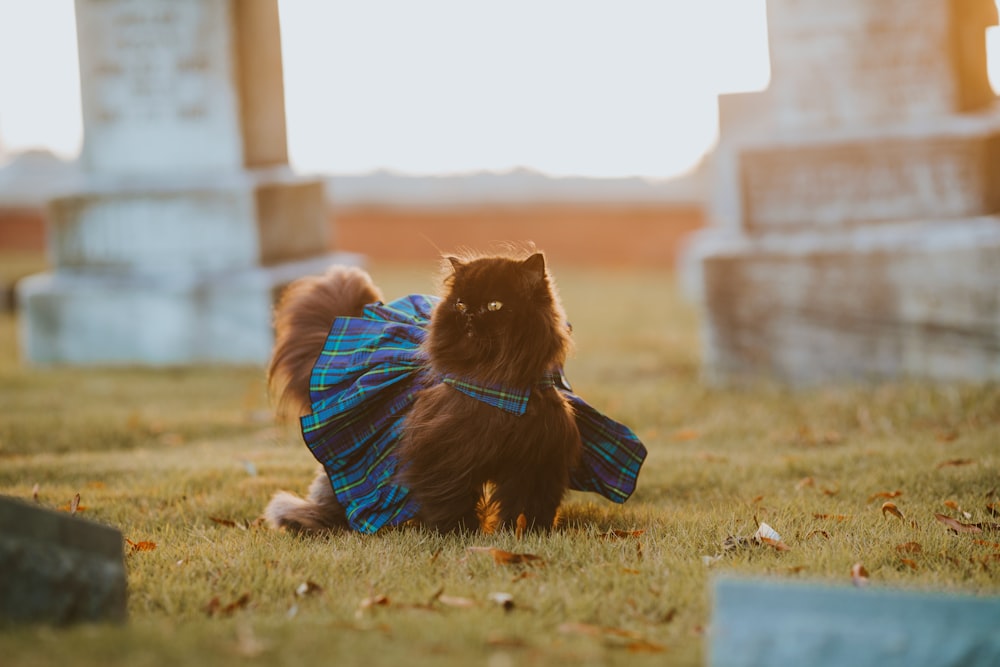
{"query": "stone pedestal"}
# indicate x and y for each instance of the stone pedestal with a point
(857, 208)
(58, 568)
(189, 217)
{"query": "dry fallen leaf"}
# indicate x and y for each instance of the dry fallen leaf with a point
(75, 506)
(374, 601)
(835, 517)
(501, 557)
(995, 545)
(615, 534)
(224, 522)
(951, 504)
(912, 564)
(909, 547)
(889, 507)
(685, 434)
(886, 495)
(859, 575)
(591, 630)
(522, 526)
(960, 527)
(34, 492)
(955, 462)
(993, 509)
(214, 606)
(140, 546)
(820, 533)
(804, 482)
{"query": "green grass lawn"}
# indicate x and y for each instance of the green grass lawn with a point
(187, 459)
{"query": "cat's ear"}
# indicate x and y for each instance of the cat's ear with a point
(456, 263)
(534, 266)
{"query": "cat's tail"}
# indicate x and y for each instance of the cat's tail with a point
(302, 320)
(318, 511)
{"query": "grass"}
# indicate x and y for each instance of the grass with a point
(164, 454)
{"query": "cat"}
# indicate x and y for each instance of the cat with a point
(415, 407)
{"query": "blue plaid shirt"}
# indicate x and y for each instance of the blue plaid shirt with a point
(367, 377)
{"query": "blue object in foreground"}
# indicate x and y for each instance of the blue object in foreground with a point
(779, 623)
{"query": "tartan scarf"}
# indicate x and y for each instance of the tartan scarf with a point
(368, 375)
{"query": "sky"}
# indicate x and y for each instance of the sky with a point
(604, 88)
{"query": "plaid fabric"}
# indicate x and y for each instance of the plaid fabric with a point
(368, 375)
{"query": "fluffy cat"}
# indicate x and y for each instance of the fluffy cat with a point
(414, 407)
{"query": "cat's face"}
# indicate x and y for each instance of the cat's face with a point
(497, 310)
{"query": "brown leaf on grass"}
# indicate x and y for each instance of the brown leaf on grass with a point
(804, 482)
(830, 491)
(644, 646)
(889, 507)
(910, 563)
(140, 546)
(995, 545)
(373, 601)
(885, 495)
(959, 527)
(308, 587)
(214, 606)
(955, 462)
(820, 533)
(836, 517)
(591, 630)
(615, 534)
(993, 509)
(777, 544)
(73, 506)
(951, 504)
(522, 526)
(229, 523)
(859, 575)
(34, 493)
(756, 499)
(909, 547)
(501, 557)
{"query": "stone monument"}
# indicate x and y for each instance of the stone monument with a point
(58, 568)
(856, 211)
(189, 217)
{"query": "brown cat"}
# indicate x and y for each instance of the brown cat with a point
(413, 407)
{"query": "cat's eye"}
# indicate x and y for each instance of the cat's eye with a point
(461, 307)
(494, 306)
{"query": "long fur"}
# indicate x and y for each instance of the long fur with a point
(452, 446)
(302, 320)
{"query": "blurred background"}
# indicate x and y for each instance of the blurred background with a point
(747, 145)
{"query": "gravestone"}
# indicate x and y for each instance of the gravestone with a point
(759, 623)
(856, 207)
(58, 568)
(189, 217)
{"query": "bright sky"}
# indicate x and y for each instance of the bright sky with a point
(568, 87)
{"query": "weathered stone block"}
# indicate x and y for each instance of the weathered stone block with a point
(823, 184)
(155, 319)
(836, 64)
(58, 568)
(758, 623)
(919, 299)
(170, 226)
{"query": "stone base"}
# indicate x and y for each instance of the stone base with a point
(228, 221)
(165, 319)
(911, 299)
(58, 568)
